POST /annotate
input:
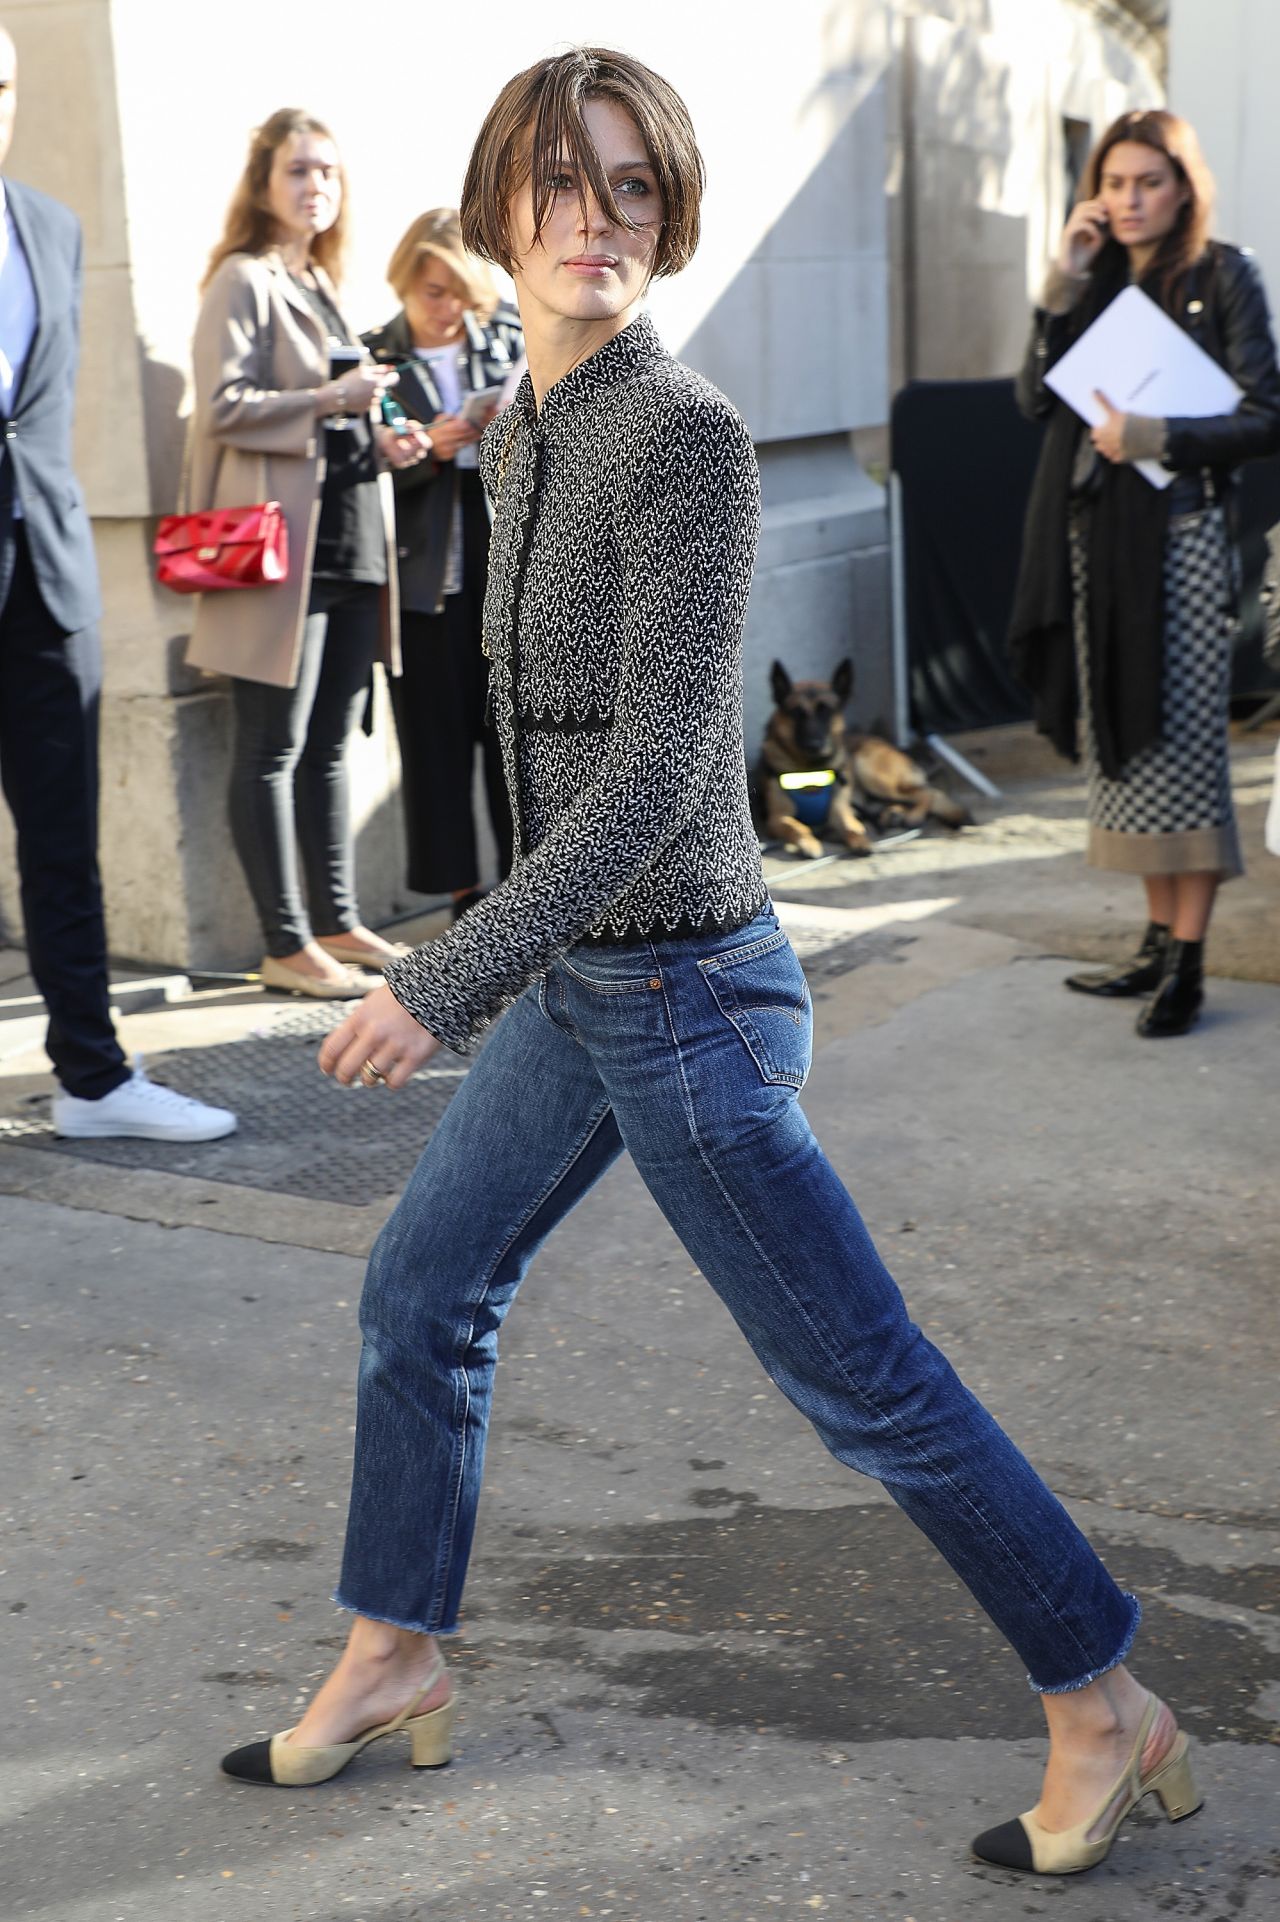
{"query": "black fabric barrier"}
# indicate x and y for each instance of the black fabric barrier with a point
(965, 456)
(1257, 509)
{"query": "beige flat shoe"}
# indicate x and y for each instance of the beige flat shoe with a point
(361, 957)
(283, 1764)
(274, 974)
(1023, 1844)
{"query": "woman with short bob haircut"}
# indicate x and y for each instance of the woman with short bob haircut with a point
(1126, 602)
(651, 1002)
(455, 350)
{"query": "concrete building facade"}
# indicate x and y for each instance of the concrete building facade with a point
(885, 177)
(1000, 101)
(1223, 59)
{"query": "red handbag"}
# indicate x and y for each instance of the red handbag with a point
(223, 547)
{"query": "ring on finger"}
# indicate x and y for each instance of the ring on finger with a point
(372, 1075)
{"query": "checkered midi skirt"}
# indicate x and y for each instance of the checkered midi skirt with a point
(1169, 810)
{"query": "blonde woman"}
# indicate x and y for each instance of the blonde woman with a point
(454, 349)
(271, 424)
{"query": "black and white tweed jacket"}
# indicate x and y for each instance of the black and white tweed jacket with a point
(625, 520)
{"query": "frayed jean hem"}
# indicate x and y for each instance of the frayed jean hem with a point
(392, 1621)
(1095, 1674)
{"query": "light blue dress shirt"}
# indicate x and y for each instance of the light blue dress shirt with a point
(18, 312)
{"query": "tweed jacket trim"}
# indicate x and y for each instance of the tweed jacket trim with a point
(625, 522)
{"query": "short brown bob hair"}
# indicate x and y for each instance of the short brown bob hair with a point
(250, 226)
(437, 236)
(1168, 134)
(536, 124)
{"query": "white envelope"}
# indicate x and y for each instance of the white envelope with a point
(1145, 364)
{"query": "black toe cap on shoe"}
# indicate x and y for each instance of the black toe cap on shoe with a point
(1008, 1847)
(250, 1764)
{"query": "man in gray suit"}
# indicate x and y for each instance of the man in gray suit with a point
(51, 676)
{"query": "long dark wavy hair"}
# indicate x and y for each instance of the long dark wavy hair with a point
(1168, 134)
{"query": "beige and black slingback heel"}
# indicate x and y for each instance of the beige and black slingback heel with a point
(1024, 1844)
(284, 1764)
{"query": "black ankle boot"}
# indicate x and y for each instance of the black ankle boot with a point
(1175, 1004)
(1138, 976)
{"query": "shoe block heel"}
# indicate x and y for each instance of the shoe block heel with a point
(432, 1738)
(1175, 1785)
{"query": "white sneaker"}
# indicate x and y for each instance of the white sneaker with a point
(143, 1109)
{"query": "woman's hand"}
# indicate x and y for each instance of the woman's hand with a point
(382, 1039)
(1109, 438)
(405, 449)
(356, 392)
(1083, 237)
(449, 432)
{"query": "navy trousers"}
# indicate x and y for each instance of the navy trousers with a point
(50, 683)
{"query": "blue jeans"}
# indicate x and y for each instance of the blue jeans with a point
(689, 1054)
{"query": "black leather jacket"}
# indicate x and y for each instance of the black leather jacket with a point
(426, 493)
(1223, 305)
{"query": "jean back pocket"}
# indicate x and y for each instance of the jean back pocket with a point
(762, 992)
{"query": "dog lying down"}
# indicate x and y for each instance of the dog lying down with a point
(815, 773)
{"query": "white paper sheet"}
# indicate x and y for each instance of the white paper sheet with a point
(1145, 364)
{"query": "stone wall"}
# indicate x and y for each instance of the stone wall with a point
(988, 88)
(1223, 60)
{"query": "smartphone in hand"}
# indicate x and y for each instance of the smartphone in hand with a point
(477, 407)
(343, 359)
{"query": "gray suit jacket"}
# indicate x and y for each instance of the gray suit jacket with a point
(37, 431)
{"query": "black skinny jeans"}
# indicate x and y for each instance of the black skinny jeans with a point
(440, 704)
(289, 772)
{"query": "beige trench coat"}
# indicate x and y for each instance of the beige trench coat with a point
(258, 352)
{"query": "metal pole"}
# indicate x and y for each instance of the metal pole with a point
(965, 769)
(898, 593)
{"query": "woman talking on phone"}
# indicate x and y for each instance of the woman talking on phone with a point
(455, 349)
(272, 422)
(1125, 607)
(653, 1004)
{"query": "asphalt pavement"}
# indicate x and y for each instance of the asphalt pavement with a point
(705, 1673)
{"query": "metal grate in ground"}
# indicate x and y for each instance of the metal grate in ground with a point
(299, 1133)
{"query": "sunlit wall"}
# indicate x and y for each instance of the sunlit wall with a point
(1224, 62)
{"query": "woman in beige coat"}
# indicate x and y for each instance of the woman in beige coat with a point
(270, 424)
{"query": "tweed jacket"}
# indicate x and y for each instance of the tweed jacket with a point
(625, 521)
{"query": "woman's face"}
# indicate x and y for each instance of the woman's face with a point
(304, 187)
(435, 303)
(583, 266)
(1142, 193)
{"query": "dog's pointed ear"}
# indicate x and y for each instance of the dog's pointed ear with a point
(842, 681)
(780, 682)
